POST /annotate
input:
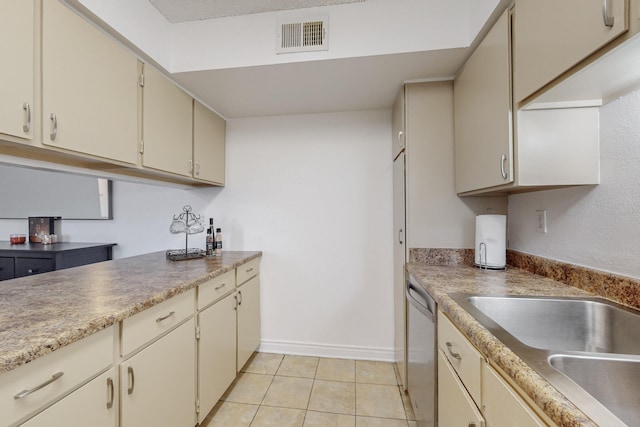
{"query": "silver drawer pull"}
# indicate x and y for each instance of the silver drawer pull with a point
(240, 300)
(249, 270)
(27, 121)
(25, 393)
(111, 391)
(217, 288)
(132, 380)
(608, 19)
(160, 319)
(54, 123)
(451, 352)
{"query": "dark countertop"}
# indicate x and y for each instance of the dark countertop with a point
(55, 247)
(39, 314)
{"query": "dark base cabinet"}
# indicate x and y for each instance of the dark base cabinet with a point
(35, 258)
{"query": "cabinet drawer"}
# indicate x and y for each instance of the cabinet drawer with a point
(78, 362)
(151, 323)
(464, 358)
(216, 288)
(6, 268)
(31, 266)
(247, 270)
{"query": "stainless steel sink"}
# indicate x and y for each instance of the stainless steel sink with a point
(587, 348)
(612, 380)
(565, 323)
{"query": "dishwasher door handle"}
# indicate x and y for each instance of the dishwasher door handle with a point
(424, 309)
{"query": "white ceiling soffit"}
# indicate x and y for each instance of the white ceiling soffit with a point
(193, 10)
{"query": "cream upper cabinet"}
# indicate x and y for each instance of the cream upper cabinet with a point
(208, 145)
(167, 125)
(89, 88)
(17, 71)
(551, 36)
(482, 111)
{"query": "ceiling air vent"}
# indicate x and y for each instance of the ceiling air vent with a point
(305, 36)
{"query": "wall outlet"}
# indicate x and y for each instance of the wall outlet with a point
(541, 217)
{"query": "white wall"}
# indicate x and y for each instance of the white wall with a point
(314, 193)
(596, 226)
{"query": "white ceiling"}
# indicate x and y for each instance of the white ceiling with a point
(376, 46)
(194, 10)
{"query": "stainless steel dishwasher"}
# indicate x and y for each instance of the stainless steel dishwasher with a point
(421, 353)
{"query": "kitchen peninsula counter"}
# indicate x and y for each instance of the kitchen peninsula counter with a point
(43, 313)
(439, 281)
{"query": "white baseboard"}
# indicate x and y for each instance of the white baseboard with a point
(326, 350)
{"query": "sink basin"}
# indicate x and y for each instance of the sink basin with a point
(613, 381)
(587, 348)
(569, 324)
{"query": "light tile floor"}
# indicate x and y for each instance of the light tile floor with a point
(300, 391)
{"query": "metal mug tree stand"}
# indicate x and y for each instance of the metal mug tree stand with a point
(188, 223)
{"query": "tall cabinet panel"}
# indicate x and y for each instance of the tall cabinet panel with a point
(17, 72)
(399, 229)
(89, 88)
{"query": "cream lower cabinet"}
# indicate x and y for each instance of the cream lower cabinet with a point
(94, 404)
(216, 352)
(17, 32)
(248, 320)
(89, 88)
(455, 406)
(157, 385)
(471, 391)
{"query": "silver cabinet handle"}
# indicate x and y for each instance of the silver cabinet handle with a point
(111, 392)
(235, 307)
(400, 236)
(27, 121)
(608, 19)
(160, 319)
(54, 124)
(240, 295)
(190, 166)
(249, 270)
(503, 172)
(400, 135)
(197, 168)
(217, 288)
(132, 380)
(451, 352)
(25, 393)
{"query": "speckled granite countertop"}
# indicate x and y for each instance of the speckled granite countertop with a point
(39, 314)
(441, 280)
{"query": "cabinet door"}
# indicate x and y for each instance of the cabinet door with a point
(502, 406)
(399, 245)
(551, 36)
(166, 125)
(455, 406)
(208, 144)
(482, 111)
(158, 384)
(89, 88)
(92, 404)
(248, 320)
(216, 352)
(17, 72)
